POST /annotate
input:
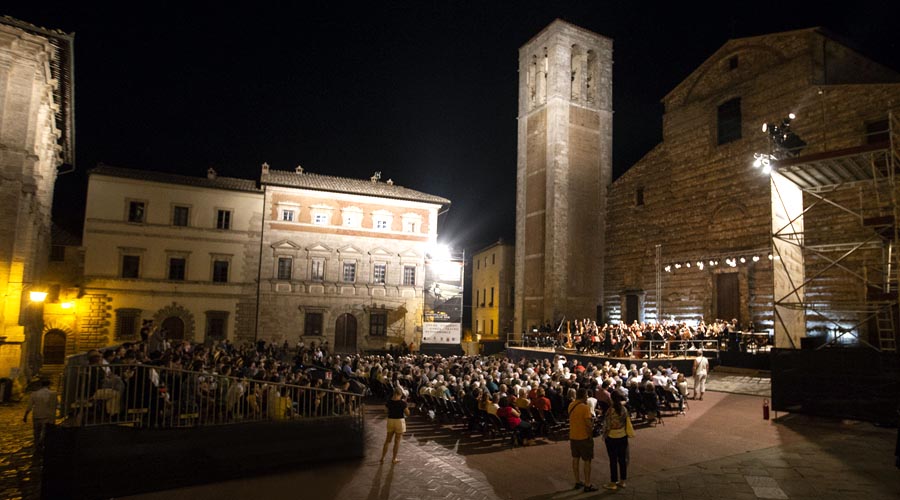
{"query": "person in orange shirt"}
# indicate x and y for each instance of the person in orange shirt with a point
(581, 440)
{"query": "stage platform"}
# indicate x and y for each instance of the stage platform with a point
(685, 364)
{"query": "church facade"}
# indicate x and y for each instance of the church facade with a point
(687, 232)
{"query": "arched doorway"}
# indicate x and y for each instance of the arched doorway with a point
(174, 328)
(345, 333)
(54, 347)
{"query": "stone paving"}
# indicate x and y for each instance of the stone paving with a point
(722, 449)
(19, 467)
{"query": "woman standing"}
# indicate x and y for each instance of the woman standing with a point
(617, 429)
(396, 422)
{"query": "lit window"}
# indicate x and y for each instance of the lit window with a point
(379, 272)
(317, 270)
(284, 268)
(349, 275)
(223, 219)
(381, 224)
(136, 211)
(320, 219)
(409, 275)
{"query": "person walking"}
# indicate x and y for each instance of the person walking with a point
(43, 403)
(617, 429)
(581, 439)
(701, 370)
(396, 422)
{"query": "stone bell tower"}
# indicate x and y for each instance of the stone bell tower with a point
(564, 167)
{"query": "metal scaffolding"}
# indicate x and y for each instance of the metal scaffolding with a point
(824, 179)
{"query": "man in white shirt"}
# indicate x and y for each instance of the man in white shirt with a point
(701, 369)
(43, 403)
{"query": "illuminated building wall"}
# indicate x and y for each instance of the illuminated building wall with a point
(697, 196)
(343, 260)
(36, 137)
(493, 293)
(564, 166)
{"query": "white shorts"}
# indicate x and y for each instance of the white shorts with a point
(396, 425)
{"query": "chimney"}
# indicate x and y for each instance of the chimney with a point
(211, 173)
(299, 169)
(265, 168)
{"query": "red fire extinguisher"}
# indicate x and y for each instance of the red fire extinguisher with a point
(765, 409)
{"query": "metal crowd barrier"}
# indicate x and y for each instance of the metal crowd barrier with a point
(151, 396)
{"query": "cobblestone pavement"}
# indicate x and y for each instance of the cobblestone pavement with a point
(19, 468)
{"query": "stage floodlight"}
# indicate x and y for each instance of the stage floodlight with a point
(743, 260)
(756, 258)
(792, 116)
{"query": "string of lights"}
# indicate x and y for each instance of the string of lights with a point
(731, 260)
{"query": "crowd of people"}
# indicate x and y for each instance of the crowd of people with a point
(635, 340)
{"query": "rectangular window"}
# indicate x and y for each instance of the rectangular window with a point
(320, 219)
(483, 296)
(378, 275)
(378, 324)
(477, 297)
(220, 271)
(492, 328)
(287, 215)
(127, 323)
(176, 268)
(313, 324)
(57, 253)
(409, 275)
(180, 216)
(729, 121)
(381, 224)
(131, 266)
(732, 62)
(492, 297)
(639, 197)
(285, 265)
(493, 258)
(136, 211)
(349, 275)
(223, 219)
(410, 227)
(317, 270)
(216, 325)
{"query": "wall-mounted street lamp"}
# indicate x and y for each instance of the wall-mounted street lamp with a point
(36, 296)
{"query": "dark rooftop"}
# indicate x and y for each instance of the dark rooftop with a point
(218, 182)
(346, 185)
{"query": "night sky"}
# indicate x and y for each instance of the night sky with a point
(425, 92)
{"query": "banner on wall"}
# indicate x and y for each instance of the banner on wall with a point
(442, 323)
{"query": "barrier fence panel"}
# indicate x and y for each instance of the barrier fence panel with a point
(159, 397)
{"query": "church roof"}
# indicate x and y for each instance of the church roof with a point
(218, 182)
(334, 184)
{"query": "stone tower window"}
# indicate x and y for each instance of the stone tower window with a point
(639, 197)
(729, 121)
(532, 81)
(590, 75)
(733, 62)
(578, 65)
